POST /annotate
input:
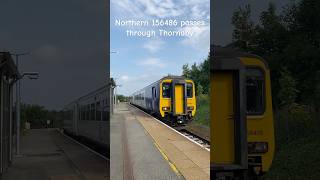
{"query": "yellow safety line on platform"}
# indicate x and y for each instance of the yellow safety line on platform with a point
(173, 167)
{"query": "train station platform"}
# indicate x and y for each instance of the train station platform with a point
(133, 153)
(47, 154)
(151, 143)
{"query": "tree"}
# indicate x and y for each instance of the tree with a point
(186, 71)
(34, 114)
(244, 31)
(199, 90)
(288, 91)
(199, 74)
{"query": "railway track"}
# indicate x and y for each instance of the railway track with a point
(199, 140)
(85, 145)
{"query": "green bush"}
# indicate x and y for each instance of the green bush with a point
(203, 110)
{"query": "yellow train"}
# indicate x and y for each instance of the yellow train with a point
(242, 131)
(171, 98)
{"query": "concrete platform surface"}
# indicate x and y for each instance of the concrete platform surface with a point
(191, 160)
(134, 155)
(47, 154)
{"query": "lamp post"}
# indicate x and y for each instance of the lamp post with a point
(30, 75)
(18, 102)
(116, 94)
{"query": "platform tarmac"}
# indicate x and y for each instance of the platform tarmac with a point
(48, 155)
(150, 150)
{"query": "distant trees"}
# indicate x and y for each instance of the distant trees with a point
(38, 115)
(199, 74)
(122, 98)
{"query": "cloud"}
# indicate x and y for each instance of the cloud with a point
(124, 78)
(154, 45)
(127, 8)
(200, 39)
(199, 11)
(136, 82)
(152, 62)
(160, 8)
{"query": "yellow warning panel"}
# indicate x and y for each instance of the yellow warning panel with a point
(222, 149)
(179, 98)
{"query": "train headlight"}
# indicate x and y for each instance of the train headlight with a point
(257, 147)
(165, 108)
(190, 108)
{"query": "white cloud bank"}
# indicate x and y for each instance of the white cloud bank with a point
(200, 39)
(154, 45)
(152, 62)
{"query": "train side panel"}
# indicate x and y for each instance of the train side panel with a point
(88, 117)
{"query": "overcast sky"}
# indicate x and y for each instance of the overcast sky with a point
(66, 39)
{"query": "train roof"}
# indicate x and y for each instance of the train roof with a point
(163, 78)
(173, 77)
(88, 95)
(228, 52)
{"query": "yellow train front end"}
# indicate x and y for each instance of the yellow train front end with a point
(260, 128)
(242, 131)
(177, 101)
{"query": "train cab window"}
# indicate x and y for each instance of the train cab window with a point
(189, 90)
(255, 91)
(166, 90)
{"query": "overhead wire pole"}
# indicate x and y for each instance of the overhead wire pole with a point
(112, 88)
(18, 104)
(30, 75)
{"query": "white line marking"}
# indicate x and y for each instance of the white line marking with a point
(208, 149)
(86, 147)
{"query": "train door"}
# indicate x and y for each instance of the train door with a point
(179, 98)
(223, 111)
(228, 152)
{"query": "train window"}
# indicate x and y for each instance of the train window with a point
(153, 92)
(98, 111)
(166, 90)
(83, 113)
(189, 90)
(92, 112)
(88, 112)
(104, 114)
(255, 91)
